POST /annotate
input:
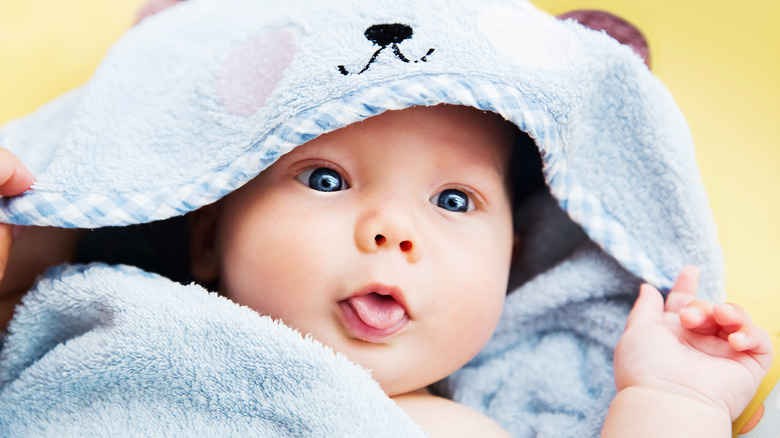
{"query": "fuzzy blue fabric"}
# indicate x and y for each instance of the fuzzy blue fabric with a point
(115, 351)
(196, 101)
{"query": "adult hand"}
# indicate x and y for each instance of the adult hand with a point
(15, 178)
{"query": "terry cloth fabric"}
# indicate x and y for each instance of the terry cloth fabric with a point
(127, 353)
(197, 100)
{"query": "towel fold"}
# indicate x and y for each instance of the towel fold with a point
(114, 351)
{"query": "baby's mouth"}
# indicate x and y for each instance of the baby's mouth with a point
(373, 316)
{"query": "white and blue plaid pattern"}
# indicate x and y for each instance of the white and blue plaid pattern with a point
(585, 209)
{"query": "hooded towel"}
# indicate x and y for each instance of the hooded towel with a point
(196, 101)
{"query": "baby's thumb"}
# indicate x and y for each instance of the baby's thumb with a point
(648, 308)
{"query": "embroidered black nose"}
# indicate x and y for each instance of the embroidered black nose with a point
(385, 34)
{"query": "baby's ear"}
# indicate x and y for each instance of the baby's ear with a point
(204, 265)
(616, 27)
(152, 7)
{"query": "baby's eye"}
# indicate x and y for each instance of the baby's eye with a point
(453, 200)
(322, 179)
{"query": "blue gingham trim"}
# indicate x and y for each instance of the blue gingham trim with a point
(585, 209)
(37, 208)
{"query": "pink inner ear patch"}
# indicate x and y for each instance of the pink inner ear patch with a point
(251, 72)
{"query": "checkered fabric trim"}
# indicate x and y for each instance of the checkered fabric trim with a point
(120, 209)
(587, 210)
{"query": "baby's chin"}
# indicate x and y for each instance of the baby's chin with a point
(398, 387)
(399, 375)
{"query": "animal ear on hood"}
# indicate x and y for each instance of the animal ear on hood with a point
(152, 7)
(616, 27)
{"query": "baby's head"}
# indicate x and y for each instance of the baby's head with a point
(389, 240)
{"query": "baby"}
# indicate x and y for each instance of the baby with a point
(394, 246)
(399, 260)
(390, 240)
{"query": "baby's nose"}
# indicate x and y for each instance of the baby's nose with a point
(404, 245)
(388, 228)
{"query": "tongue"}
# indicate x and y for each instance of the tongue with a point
(378, 311)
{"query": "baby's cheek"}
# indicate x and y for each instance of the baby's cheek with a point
(480, 274)
(480, 303)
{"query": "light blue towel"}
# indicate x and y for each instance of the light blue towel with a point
(100, 351)
(196, 101)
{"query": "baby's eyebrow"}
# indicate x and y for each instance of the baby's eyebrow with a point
(487, 181)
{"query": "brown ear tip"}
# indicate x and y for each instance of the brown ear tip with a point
(616, 27)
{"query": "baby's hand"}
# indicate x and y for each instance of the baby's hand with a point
(14, 179)
(713, 353)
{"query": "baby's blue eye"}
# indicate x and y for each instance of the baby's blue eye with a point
(322, 179)
(452, 200)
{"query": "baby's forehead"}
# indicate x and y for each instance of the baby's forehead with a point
(455, 132)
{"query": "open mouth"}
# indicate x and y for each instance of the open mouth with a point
(373, 316)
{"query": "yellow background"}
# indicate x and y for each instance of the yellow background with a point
(721, 61)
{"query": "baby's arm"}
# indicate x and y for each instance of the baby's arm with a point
(685, 368)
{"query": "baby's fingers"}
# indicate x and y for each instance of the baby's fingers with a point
(731, 317)
(697, 317)
(743, 334)
(751, 338)
(684, 290)
(648, 308)
(754, 341)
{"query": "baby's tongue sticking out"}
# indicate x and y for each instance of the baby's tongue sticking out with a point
(378, 311)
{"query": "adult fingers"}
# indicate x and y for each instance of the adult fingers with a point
(6, 237)
(15, 178)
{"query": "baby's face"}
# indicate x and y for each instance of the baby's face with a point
(389, 241)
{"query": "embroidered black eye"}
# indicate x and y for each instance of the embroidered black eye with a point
(323, 179)
(452, 200)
